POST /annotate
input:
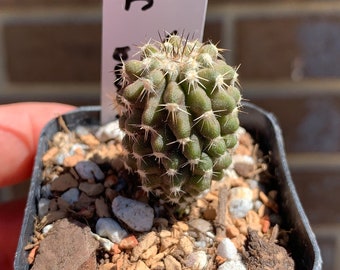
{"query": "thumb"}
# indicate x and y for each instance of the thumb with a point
(20, 127)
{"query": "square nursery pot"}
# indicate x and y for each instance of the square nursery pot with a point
(266, 132)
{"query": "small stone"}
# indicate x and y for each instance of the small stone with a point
(63, 239)
(168, 242)
(265, 223)
(91, 189)
(171, 263)
(164, 233)
(200, 244)
(50, 154)
(110, 180)
(89, 140)
(244, 165)
(141, 266)
(186, 245)
(182, 226)
(84, 201)
(150, 253)
(107, 227)
(128, 242)
(89, 170)
(159, 265)
(71, 196)
(47, 228)
(63, 183)
(226, 249)
(45, 191)
(149, 240)
(196, 260)
(43, 207)
(102, 209)
(106, 266)
(104, 242)
(201, 225)
(253, 220)
(71, 161)
(137, 215)
(62, 204)
(232, 265)
(240, 201)
(110, 131)
(232, 231)
(55, 215)
(209, 213)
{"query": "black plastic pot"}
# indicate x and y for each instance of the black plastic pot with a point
(264, 128)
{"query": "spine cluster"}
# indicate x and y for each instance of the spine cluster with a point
(179, 110)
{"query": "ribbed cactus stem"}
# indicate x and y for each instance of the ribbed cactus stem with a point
(179, 110)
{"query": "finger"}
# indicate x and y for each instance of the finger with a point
(20, 127)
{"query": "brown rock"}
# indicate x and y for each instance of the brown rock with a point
(141, 266)
(149, 240)
(186, 245)
(63, 239)
(72, 161)
(266, 255)
(91, 189)
(84, 201)
(171, 263)
(102, 209)
(128, 242)
(106, 266)
(168, 242)
(89, 139)
(64, 182)
(150, 253)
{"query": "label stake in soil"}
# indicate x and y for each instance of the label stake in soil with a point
(130, 23)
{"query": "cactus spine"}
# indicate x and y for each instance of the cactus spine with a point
(179, 110)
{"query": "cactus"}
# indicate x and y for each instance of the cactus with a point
(179, 110)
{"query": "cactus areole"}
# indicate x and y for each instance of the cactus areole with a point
(179, 110)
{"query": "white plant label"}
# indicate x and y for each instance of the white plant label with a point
(128, 24)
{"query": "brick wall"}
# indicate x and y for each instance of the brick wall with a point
(289, 52)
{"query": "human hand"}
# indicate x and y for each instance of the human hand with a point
(20, 127)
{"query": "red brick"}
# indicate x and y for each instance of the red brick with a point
(271, 47)
(318, 189)
(213, 31)
(328, 247)
(47, 3)
(53, 51)
(309, 123)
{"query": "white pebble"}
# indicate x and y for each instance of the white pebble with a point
(243, 159)
(226, 249)
(110, 131)
(81, 130)
(89, 170)
(137, 215)
(107, 227)
(232, 265)
(47, 228)
(200, 244)
(75, 148)
(105, 243)
(43, 206)
(201, 225)
(71, 196)
(257, 205)
(240, 201)
(196, 260)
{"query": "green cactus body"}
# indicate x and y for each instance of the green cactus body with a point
(179, 110)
